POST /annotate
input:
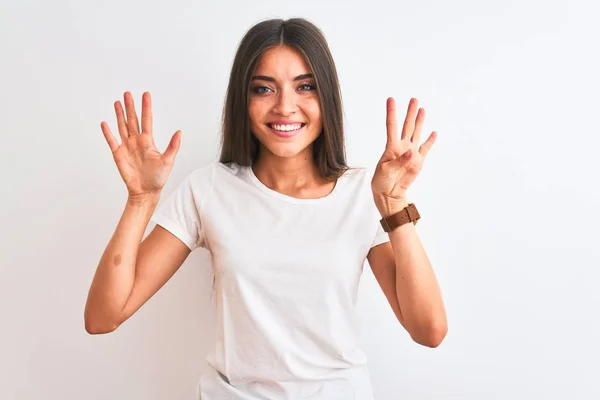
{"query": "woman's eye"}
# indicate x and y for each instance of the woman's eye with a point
(306, 86)
(260, 89)
(265, 89)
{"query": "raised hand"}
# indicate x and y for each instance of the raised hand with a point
(402, 159)
(143, 168)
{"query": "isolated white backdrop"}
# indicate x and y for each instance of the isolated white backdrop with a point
(508, 195)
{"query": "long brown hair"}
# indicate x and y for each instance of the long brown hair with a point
(238, 144)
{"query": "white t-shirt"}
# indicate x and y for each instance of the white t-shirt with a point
(286, 272)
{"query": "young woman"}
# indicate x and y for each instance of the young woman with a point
(287, 222)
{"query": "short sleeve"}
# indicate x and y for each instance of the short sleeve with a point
(180, 212)
(381, 236)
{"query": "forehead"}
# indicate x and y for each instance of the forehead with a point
(282, 62)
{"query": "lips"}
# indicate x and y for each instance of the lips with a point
(286, 134)
(284, 122)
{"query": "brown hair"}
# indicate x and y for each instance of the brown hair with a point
(238, 144)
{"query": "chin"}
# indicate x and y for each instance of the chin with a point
(285, 150)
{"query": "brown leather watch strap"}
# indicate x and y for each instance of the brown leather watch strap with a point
(407, 214)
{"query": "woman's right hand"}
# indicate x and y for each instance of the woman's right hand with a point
(143, 168)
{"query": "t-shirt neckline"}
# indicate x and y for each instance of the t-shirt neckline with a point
(290, 199)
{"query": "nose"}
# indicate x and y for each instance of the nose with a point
(286, 102)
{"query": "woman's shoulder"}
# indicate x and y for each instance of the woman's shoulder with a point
(354, 170)
(214, 167)
(214, 171)
(359, 173)
(203, 172)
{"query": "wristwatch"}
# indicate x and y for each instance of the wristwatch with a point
(407, 214)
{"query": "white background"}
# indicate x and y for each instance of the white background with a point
(509, 193)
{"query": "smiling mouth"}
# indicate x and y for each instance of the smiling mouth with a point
(286, 128)
(286, 131)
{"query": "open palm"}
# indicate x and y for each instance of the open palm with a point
(143, 168)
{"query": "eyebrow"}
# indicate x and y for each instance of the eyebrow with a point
(270, 79)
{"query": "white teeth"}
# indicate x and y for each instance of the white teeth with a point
(286, 128)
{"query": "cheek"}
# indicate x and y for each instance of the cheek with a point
(311, 108)
(314, 114)
(254, 112)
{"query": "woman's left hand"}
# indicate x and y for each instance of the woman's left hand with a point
(402, 160)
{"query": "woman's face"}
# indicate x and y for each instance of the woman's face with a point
(284, 107)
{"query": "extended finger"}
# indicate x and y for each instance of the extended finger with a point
(409, 122)
(419, 125)
(132, 119)
(172, 148)
(121, 122)
(110, 139)
(390, 121)
(146, 113)
(425, 147)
